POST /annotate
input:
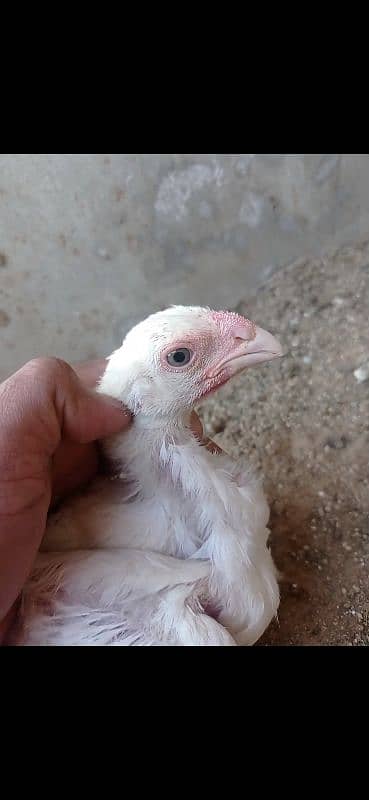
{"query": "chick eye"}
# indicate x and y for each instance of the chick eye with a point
(179, 358)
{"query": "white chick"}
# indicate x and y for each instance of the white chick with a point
(174, 552)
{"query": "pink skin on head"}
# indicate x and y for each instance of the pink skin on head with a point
(231, 328)
(242, 345)
(234, 325)
(235, 344)
(234, 330)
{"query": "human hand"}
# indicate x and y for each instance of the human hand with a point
(50, 419)
(49, 423)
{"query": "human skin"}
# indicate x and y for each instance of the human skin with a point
(50, 421)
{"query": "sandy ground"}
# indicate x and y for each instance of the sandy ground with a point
(305, 423)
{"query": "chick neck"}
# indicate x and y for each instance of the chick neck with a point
(161, 427)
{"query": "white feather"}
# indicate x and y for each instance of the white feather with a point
(139, 563)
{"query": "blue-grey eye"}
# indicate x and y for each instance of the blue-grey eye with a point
(179, 358)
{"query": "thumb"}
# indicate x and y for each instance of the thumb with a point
(86, 415)
(89, 416)
(45, 402)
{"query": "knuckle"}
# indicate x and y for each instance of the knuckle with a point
(48, 368)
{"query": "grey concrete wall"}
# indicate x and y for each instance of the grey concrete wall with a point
(91, 242)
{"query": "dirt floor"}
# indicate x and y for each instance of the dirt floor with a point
(305, 423)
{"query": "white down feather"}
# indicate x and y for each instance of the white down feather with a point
(172, 553)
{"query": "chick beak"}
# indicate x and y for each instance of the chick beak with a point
(264, 347)
(248, 352)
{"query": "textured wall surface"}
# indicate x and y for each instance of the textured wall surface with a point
(91, 242)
